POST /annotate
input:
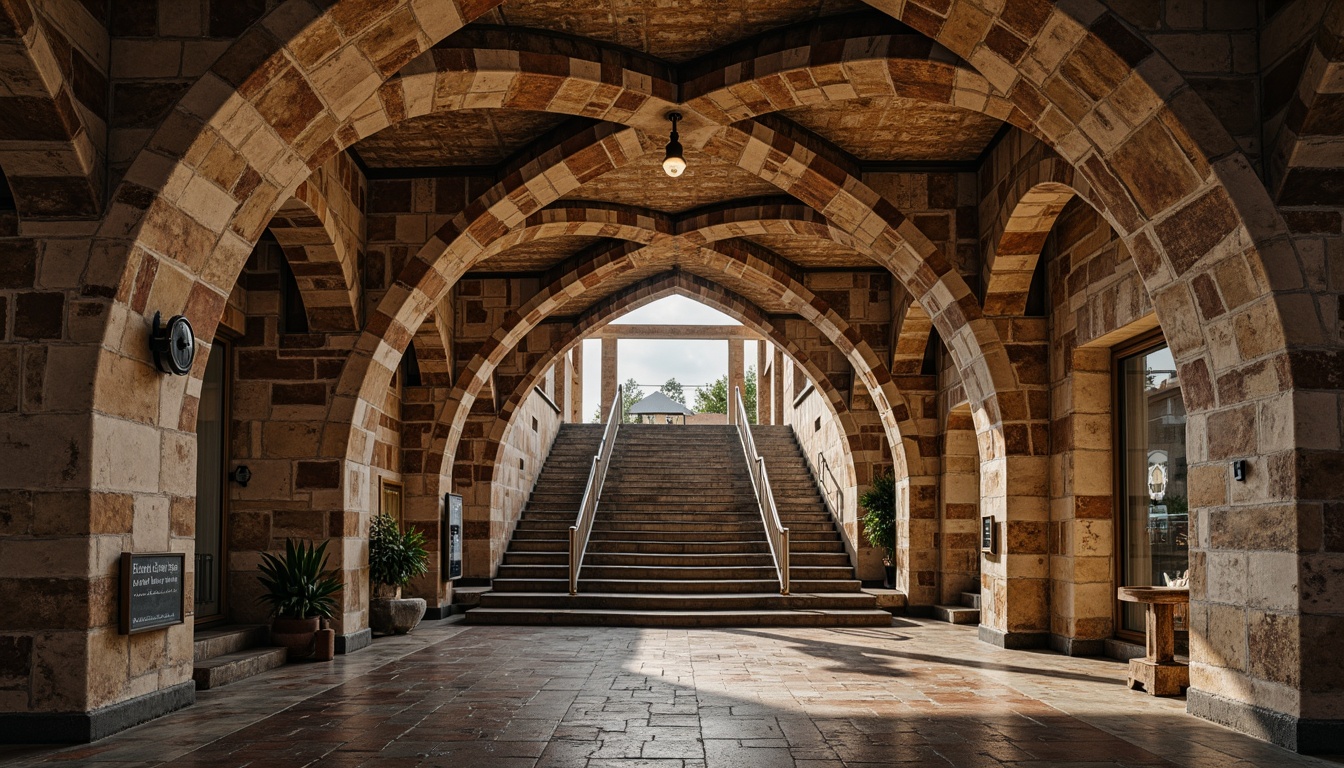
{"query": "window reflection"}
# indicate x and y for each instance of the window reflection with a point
(1156, 525)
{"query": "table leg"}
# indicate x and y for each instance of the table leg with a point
(1159, 673)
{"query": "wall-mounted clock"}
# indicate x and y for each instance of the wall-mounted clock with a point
(173, 344)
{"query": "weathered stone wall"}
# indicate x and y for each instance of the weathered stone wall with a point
(820, 435)
(282, 391)
(521, 455)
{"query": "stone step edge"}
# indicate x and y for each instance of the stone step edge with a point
(688, 619)
(232, 667)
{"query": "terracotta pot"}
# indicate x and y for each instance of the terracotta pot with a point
(297, 636)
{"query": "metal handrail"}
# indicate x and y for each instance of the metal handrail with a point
(775, 532)
(821, 480)
(597, 475)
(836, 509)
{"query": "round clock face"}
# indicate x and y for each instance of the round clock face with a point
(173, 345)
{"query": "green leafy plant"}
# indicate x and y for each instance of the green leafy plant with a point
(879, 519)
(716, 397)
(298, 586)
(395, 557)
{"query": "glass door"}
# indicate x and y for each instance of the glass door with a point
(211, 475)
(1155, 534)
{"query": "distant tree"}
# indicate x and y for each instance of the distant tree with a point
(672, 388)
(715, 397)
(630, 394)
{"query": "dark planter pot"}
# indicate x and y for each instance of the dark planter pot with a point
(297, 636)
(890, 575)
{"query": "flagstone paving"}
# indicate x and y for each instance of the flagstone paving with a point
(916, 693)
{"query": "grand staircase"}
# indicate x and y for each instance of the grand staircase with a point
(677, 540)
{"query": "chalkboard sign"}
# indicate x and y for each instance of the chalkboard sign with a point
(989, 540)
(450, 550)
(153, 591)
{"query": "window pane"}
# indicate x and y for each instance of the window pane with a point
(1156, 518)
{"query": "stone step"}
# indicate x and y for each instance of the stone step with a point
(609, 515)
(657, 508)
(222, 641)
(514, 557)
(608, 546)
(971, 600)
(615, 618)
(688, 601)
(550, 514)
(232, 667)
(539, 545)
(690, 572)
(599, 541)
(615, 493)
(956, 614)
(660, 524)
(687, 535)
(560, 583)
(759, 559)
(758, 555)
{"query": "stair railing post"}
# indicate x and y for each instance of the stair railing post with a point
(597, 475)
(775, 532)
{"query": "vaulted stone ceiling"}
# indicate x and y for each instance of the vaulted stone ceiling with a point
(691, 40)
(479, 137)
(643, 184)
(672, 32)
(895, 130)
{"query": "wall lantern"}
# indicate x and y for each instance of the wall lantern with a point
(173, 345)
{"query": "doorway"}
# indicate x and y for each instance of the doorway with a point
(211, 478)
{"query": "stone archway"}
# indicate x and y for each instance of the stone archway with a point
(547, 343)
(1179, 229)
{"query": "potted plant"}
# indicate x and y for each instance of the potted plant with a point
(300, 591)
(879, 520)
(395, 557)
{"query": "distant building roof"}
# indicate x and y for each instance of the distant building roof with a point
(659, 404)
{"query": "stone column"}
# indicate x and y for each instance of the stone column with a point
(777, 381)
(562, 384)
(736, 353)
(576, 385)
(608, 375)
(764, 385)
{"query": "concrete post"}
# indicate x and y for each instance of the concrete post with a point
(764, 387)
(576, 385)
(736, 353)
(778, 382)
(561, 390)
(608, 375)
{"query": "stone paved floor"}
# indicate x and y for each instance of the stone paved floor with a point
(918, 693)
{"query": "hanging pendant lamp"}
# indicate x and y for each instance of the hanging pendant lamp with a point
(674, 164)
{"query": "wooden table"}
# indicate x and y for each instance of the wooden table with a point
(1159, 673)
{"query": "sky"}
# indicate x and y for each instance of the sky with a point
(652, 362)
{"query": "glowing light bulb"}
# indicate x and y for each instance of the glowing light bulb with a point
(674, 165)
